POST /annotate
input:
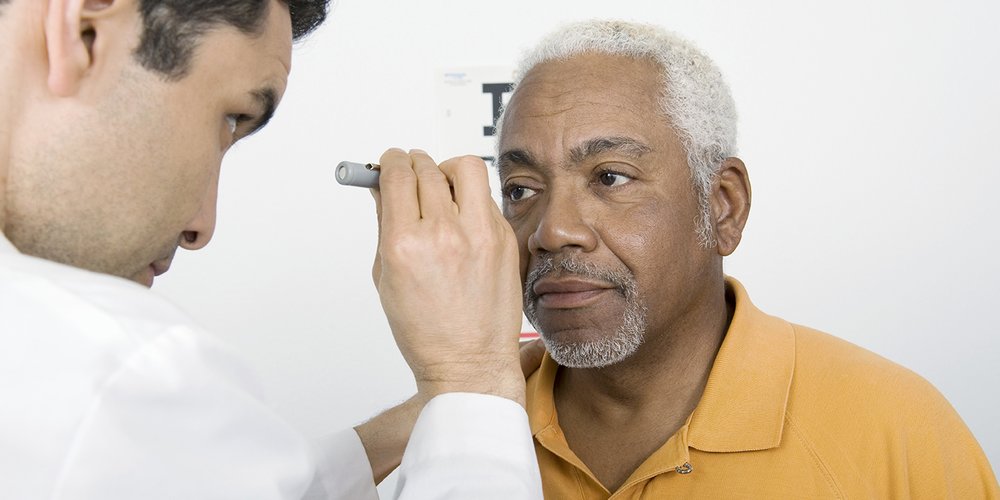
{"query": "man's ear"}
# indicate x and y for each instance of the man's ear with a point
(730, 202)
(71, 30)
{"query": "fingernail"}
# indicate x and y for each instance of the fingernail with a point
(418, 151)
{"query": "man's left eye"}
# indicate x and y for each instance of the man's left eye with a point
(612, 179)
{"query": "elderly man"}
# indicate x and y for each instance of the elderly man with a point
(616, 157)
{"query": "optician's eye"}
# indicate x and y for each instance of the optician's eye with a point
(518, 193)
(612, 179)
(234, 121)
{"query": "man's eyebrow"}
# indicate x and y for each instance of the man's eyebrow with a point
(627, 146)
(266, 99)
(513, 157)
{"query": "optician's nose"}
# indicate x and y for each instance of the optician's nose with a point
(199, 231)
(563, 224)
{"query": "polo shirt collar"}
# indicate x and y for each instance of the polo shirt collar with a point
(743, 406)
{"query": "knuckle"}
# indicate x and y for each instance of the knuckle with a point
(393, 155)
(471, 165)
(471, 161)
(394, 175)
(465, 165)
(450, 238)
(431, 175)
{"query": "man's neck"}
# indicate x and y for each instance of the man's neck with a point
(668, 365)
(615, 417)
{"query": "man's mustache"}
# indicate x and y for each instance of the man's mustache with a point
(548, 264)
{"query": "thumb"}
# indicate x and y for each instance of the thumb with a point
(377, 264)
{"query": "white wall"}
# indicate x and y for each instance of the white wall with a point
(869, 129)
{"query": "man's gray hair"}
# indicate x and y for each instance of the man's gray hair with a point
(695, 98)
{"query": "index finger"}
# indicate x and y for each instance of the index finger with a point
(398, 188)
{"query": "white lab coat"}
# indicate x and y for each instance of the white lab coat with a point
(109, 392)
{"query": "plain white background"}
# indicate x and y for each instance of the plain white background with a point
(869, 129)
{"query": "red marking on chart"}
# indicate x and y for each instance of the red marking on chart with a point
(525, 336)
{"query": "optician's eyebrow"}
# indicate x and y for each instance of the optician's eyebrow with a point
(266, 99)
(626, 146)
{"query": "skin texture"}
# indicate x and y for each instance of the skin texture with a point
(592, 171)
(111, 168)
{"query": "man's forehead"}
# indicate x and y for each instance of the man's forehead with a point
(577, 130)
(607, 77)
(594, 65)
(585, 90)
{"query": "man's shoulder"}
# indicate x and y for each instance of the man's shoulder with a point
(839, 368)
(57, 293)
(872, 423)
(847, 397)
(70, 331)
(88, 358)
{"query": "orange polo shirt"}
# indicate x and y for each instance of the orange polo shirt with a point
(788, 412)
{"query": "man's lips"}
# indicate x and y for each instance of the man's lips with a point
(569, 293)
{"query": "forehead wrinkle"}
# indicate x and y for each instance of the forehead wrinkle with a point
(558, 105)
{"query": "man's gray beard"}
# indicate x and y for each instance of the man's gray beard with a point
(597, 353)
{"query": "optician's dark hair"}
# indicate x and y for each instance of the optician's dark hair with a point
(172, 28)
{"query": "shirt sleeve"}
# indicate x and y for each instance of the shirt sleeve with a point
(342, 469)
(470, 446)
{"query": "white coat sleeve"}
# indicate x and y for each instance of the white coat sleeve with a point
(470, 446)
(342, 469)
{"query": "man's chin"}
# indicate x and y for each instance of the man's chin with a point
(582, 348)
(573, 336)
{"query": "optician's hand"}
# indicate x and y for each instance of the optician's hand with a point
(447, 275)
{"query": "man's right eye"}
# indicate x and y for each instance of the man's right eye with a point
(518, 193)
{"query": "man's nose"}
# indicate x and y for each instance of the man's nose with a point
(199, 230)
(564, 224)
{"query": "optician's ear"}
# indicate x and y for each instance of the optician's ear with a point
(77, 34)
(730, 202)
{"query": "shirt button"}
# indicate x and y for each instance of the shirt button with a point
(685, 469)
